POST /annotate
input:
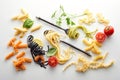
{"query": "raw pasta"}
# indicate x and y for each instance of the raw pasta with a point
(73, 33)
(86, 64)
(53, 38)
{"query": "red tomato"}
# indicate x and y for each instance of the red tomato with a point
(100, 37)
(52, 61)
(108, 30)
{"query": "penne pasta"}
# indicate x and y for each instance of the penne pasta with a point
(22, 46)
(20, 55)
(96, 49)
(15, 17)
(28, 60)
(18, 43)
(23, 11)
(89, 47)
(11, 42)
(20, 29)
(9, 55)
(86, 42)
(22, 34)
(35, 28)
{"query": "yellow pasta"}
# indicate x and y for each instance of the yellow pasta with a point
(20, 29)
(22, 34)
(99, 57)
(89, 47)
(38, 41)
(53, 38)
(86, 42)
(35, 28)
(93, 46)
(82, 64)
(17, 33)
(23, 11)
(96, 49)
(102, 20)
(97, 43)
(87, 18)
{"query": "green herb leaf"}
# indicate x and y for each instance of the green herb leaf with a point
(72, 23)
(59, 21)
(28, 23)
(53, 15)
(51, 52)
(63, 15)
(68, 21)
(61, 7)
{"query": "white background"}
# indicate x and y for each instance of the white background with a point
(44, 8)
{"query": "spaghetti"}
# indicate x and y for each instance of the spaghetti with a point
(53, 38)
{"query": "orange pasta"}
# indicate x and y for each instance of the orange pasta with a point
(18, 63)
(37, 58)
(28, 60)
(20, 55)
(22, 46)
(9, 55)
(18, 43)
(11, 42)
(20, 67)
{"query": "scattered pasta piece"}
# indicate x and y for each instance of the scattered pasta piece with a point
(92, 46)
(20, 55)
(83, 64)
(21, 17)
(19, 64)
(20, 29)
(35, 28)
(102, 20)
(22, 46)
(18, 43)
(87, 18)
(9, 55)
(99, 57)
(11, 42)
(28, 60)
(39, 57)
(72, 63)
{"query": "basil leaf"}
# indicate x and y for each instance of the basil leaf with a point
(51, 52)
(28, 23)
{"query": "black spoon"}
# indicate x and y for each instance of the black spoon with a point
(66, 30)
(76, 48)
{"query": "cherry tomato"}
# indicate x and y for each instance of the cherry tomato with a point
(108, 30)
(52, 61)
(100, 37)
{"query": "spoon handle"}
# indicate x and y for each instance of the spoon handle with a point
(50, 23)
(75, 48)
